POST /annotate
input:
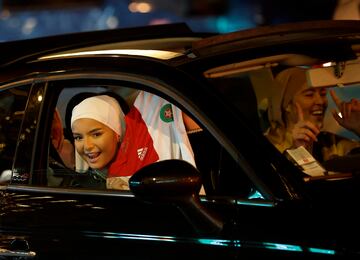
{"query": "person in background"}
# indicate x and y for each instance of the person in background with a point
(297, 117)
(61, 152)
(63, 146)
(114, 146)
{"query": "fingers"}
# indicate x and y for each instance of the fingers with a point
(306, 135)
(347, 109)
(336, 116)
(313, 128)
(343, 107)
(303, 137)
(311, 132)
(299, 112)
(336, 99)
(305, 131)
(355, 102)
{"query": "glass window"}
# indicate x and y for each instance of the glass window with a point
(306, 108)
(12, 107)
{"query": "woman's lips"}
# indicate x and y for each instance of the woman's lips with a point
(93, 157)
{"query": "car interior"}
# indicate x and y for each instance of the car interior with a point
(257, 76)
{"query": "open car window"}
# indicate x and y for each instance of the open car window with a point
(257, 90)
(221, 175)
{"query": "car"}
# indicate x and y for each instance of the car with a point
(257, 202)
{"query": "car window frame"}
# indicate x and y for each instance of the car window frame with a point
(118, 77)
(20, 87)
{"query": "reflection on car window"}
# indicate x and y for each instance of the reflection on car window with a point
(12, 106)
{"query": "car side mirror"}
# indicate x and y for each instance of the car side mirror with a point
(177, 182)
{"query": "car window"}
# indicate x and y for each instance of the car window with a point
(12, 108)
(300, 107)
(221, 175)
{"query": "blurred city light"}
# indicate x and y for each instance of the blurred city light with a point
(22, 19)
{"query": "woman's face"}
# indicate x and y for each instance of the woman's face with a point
(95, 142)
(313, 103)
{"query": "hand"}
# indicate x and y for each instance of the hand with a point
(117, 183)
(304, 132)
(350, 113)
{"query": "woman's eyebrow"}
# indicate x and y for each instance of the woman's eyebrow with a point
(95, 130)
(308, 90)
(91, 131)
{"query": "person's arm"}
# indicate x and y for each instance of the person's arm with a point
(64, 147)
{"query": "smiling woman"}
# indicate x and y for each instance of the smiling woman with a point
(113, 146)
(298, 119)
(98, 125)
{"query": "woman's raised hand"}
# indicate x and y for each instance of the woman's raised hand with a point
(304, 132)
(348, 114)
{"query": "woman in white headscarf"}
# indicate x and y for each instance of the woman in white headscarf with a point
(297, 115)
(98, 126)
(115, 146)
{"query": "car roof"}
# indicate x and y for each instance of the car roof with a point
(279, 34)
(294, 43)
(164, 37)
(179, 38)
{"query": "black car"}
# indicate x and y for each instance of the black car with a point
(257, 201)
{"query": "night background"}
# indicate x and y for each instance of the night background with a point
(22, 19)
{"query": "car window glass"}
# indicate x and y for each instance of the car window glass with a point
(12, 107)
(258, 90)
